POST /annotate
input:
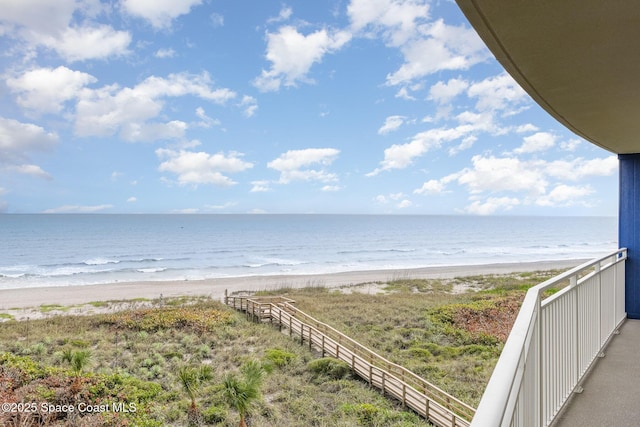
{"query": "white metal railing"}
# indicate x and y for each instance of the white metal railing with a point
(553, 343)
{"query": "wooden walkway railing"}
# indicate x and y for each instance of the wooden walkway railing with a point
(432, 403)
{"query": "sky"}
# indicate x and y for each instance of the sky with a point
(236, 106)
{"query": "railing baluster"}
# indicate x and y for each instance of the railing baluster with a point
(569, 329)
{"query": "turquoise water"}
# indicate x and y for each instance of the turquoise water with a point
(62, 250)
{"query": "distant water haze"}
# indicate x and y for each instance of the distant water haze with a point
(67, 250)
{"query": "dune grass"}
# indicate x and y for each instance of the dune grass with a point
(136, 356)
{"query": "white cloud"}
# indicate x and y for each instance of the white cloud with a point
(497, 93)
(483, 121)
(400, 156)
(466, 144)
(540, 141)
(18, 141)
(293, 165)
(427, 47)
(381, 199)
(205, 121)
(284, 15)
(250, 105)
(82, 43)
(32, 170)
(217, 20)
(491, 174)
(50, 24)
(491, 205)
(400, 198)
(580, 168)
(40, 16)
(46, 89)
(529, 180)
(159, 13)
(397, 20)
(260, 186)
(570, 145)
(403, 93)
(181, 84)
(432, 186)
(112, 109)
(391, 123)
(528, 127)
(193, 168)
(174, 129)
(441, 47)
(331, 188)
(186, 211)
(78, 209)
(444, 92)
(165, 53)
(292, 54)
(564, 195)
(132, 199)
(223, 206)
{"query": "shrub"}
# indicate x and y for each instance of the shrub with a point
(329, 367)
(279, 357)
(214, 415)
(366, 413)
(199, 319)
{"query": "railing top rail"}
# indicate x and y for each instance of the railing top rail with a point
(614, 257)
(262, 300)
(494, 403)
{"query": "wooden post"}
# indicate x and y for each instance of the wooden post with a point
(226, 297)
(426, 408)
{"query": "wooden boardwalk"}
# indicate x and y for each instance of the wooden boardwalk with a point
(427, 400)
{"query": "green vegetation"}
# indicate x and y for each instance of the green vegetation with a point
(192, 378)
(242, 393)
(448, 331)
(196, 362)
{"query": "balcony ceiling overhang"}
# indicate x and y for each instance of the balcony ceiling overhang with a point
(578, 59)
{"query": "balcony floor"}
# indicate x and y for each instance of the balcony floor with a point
(612, 389)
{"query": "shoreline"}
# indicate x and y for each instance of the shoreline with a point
(23, 298)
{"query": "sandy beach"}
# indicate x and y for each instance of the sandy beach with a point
(20, 302)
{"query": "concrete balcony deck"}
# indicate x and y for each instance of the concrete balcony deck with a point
(611, 395)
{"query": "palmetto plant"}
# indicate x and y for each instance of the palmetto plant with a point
(79, 360)
(242, 393)
(191, 378)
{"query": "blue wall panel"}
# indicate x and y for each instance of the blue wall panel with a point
(628, 234)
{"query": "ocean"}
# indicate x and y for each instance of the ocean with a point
(77, 249)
